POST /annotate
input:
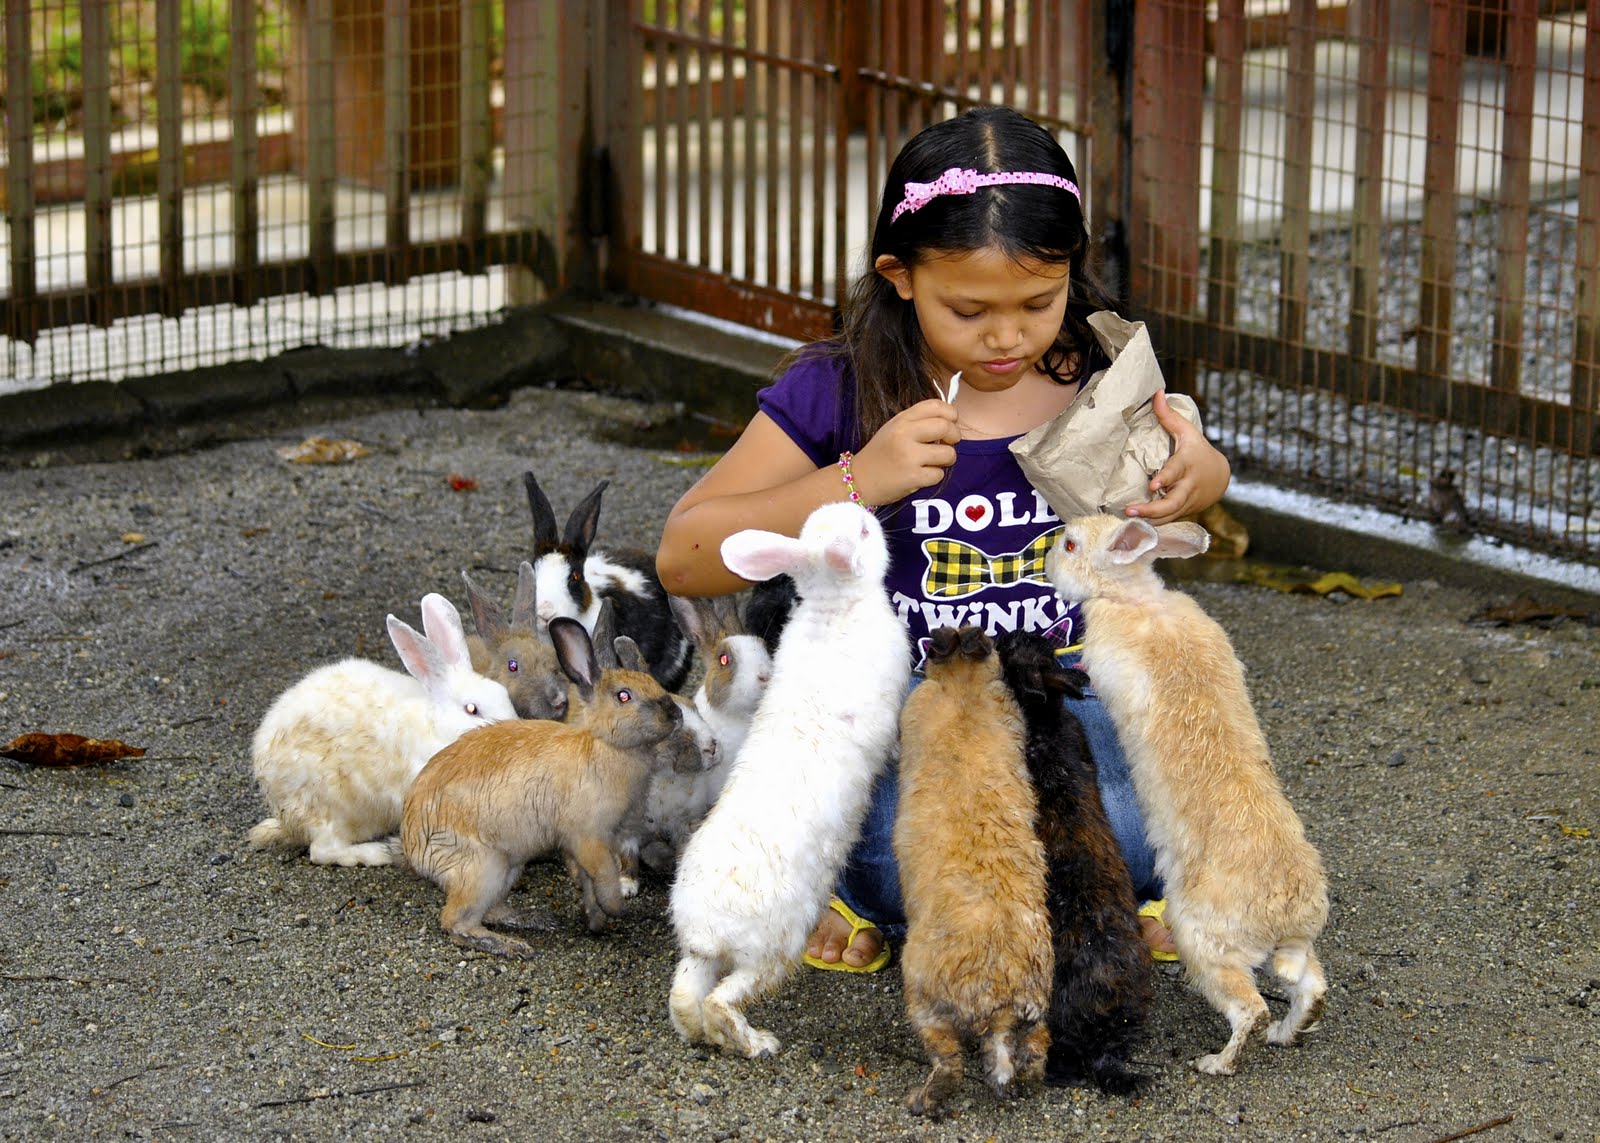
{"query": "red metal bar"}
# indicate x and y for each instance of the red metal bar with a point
(1446, 29)
(1516, 161)
(1227, 153)
(1299, 125)
(1366, 221)
(1586, 315)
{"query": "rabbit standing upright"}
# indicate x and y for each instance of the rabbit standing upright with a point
(573, 577)
(1101, 992)
(336, 752)
(490, 802)
(756, 875)
(1244, 886)
(977, 960)
(516, 654)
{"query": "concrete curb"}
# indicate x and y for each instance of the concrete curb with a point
(651, 354)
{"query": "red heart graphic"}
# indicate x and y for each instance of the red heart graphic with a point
(974, 512)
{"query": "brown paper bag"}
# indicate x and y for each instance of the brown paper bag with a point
(1099, 453)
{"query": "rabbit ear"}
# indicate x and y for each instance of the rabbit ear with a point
(442, 622)
(605, 636)
(545, 538)
(1130, 541)
(629, 657)
(1180, 540)
(725, 612)
(584, 522)
(757, 555)
(418, 652)
(575, 653)
(691, 618)
(524, 606)
(486, 617)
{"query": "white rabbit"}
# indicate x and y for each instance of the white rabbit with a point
(336, 752)
(1244, 886)
(757, 873)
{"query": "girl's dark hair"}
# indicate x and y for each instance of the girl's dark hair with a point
(881, 339)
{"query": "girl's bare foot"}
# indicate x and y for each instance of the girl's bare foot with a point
(829, 938)
(1155, 934)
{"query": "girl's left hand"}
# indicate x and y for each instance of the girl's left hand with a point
(1194, 477)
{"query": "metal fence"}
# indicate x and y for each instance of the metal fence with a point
(192, 181)
(1367, 234)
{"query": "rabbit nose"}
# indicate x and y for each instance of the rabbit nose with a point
(547, 611)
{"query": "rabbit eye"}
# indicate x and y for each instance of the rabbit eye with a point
(724, 658)
(1069, 545)
(472, 708)
(512, 666)
(577, 577)
(624, 696)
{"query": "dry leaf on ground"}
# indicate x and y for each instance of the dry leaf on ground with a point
(323, 450)
(67, 750)
(1315, 582)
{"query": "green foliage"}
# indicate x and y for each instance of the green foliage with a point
(204, 51)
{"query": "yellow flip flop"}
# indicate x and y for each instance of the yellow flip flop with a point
(857, 923)
(1158, 910)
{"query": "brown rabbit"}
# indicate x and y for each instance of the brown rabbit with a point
(482, 809)
(978, 960)
(1244, 886)
(517, 654)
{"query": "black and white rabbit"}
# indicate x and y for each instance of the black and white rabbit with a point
(1101, 990)
(572, 577)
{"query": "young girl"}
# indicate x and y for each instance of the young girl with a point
(978, 267)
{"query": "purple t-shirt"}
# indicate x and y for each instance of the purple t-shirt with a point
(968, 550)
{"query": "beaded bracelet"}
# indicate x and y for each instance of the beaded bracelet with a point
(850, 480)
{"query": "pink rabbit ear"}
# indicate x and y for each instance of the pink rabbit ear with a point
(1130, 541)
(758, 555)
(1181, 540)
(418, 652)
(442, 622)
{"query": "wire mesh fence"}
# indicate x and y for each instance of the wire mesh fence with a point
(209, 180)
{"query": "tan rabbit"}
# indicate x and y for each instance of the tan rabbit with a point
(978, 960)
(1244, 886)
(488, 804)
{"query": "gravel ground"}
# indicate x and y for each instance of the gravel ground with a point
(158, 979)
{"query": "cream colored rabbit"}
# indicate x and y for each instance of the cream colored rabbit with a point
(1244, 886)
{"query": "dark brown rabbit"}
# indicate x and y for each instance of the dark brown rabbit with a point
(1101, 992)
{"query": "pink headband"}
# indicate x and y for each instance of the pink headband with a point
(958, 181)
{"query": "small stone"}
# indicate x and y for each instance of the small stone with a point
(1398, 758)
(125, 801)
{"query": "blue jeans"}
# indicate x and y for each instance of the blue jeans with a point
(871, 881)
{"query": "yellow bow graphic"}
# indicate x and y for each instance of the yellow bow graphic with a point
(957, 569)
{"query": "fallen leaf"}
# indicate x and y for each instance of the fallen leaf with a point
(252, 533)
(1525, 610)
(133, 537)
(1572, 831)
(1317, 583)
(1230, 539)
(323, 450)
(461, 483)
(67, 750)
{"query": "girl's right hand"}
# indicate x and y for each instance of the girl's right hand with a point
(911, 451)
